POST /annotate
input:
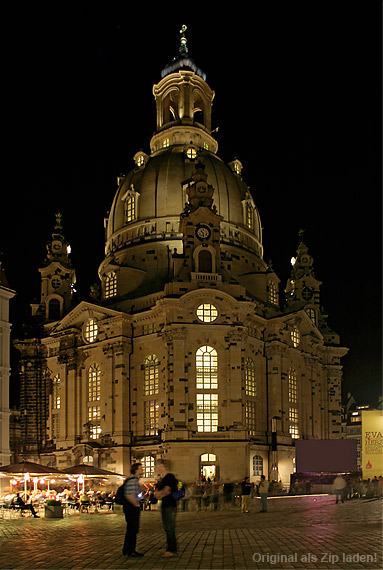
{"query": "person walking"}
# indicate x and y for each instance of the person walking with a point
(246, 490)
(165, 488)
(339, 488)
(263, 490)
(132, 510)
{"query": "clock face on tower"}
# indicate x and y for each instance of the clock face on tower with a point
(202, 232)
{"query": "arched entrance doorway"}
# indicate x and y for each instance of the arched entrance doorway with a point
(208, 467)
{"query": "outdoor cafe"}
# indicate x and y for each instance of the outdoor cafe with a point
(27, 488)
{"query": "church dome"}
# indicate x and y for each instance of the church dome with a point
(158, 192)
(151, 198)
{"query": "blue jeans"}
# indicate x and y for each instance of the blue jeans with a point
(169, 523)
(264, 501)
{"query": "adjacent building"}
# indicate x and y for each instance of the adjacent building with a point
(6, 294)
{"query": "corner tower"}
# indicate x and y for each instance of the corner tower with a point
(57, 278)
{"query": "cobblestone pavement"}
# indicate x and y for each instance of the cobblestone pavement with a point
(297, 532)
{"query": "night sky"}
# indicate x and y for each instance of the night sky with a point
(297, 101)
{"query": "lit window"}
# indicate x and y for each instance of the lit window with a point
(147, 466)
(165, 143)
(249, 216)
(151, 414)
(206, 368)
(110, 285)
(95, 431)
(56, 399)
(258, 465)
(149, 328)
(250, 417)
(205, 146)
(191, 152)
(94, 383)
(130, 204)
(312, 314)
(91, 330)
(273, 293)
(94, 417)
(94, 414)
(295, 337)
(207, 313)
(207, 412)
(87, 459)
(208, 457)
(293, 391)
(151, 368)
(140, 160)
(250, 382)
(293, 423)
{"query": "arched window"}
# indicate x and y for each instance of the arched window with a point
(205, 261)
(151, 369)
(56, 399)
(249, 216)
(250, 382)
(130, 207)
(87, 459)
(312, 314)
(91, 330)
(258, 465)
(94, 383)
(208, 457)
(206, 368)
(54, 310)
(110, 285)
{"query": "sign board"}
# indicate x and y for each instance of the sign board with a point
(325, 455)
(372, 443)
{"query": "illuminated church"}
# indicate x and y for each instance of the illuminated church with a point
(187, 353)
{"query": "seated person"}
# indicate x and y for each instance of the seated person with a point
(23, 506)
(84, 501)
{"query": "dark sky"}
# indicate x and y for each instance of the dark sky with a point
(297, 100)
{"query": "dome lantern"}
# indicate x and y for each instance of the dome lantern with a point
(183, 99)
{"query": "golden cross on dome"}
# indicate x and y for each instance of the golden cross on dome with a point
(183, 39)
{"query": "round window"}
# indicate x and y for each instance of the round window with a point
(191, 152)
(207, 313)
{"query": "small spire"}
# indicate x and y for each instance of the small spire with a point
(183, 47)
(58, 225)
(301, 234)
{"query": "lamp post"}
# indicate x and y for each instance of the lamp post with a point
(273, 471)
(26, 479)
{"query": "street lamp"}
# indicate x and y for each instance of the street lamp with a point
(273, 471)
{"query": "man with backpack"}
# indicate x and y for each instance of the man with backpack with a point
(131, 505)
(167, 490)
